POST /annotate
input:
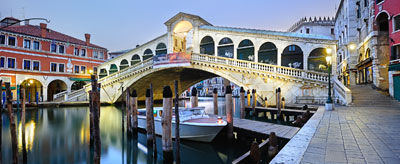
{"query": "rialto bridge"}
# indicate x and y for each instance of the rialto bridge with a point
(255, 59)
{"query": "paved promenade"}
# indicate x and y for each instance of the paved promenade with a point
(356, 135)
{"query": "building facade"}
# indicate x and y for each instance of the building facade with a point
(321, 26)
(387, 16)
(43, 61)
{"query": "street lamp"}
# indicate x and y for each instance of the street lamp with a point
(329, 102)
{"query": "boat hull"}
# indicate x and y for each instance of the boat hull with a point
(188, 131)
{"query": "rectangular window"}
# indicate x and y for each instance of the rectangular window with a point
(27, 43)
(83, 69)
(307, 30)
(332, 31)
(11, 41)
(101, 55)
(10, 62)
(36, 65)
(76, 52)
(53, 47)
(60, 67)
(27, 65)
(53, 67)
(2, 39)
(60, 49)
(396, 23)
(76, 69)
(2, 62)
(83, 52)
(366, 3)
(95, 54)
(95, 70)
(36, 45)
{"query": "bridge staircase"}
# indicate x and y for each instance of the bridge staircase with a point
(253, 75)
(366, 95)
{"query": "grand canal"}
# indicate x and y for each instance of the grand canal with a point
(61, 135)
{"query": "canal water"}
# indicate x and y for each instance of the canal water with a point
(61, 135)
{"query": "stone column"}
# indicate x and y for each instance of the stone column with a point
(44, 93)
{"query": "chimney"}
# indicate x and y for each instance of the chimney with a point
(87, 37)
(43, 28)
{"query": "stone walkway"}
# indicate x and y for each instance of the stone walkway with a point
(356, 135)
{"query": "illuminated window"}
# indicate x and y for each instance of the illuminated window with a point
(83, 69)
(76, 69)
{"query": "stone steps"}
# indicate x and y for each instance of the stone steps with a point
(365, 95)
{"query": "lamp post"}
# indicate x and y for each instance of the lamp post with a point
(329, 102)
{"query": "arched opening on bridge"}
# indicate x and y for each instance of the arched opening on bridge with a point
(292, 56)
(317, 60)
(33, 89)
(147, 54)
(161, 49)
(124, 64)
(268, 53)
(103, 73)
(382, 22)
(207, 46)
(77, 85)
(113, 69)
(54, 87)
(182, 37)
(245, 50)
(225, 48)
(135, 59)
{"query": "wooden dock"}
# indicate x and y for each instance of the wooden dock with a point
(281, 131)
(291, 112)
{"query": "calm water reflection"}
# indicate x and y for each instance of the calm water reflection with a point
(61, 135)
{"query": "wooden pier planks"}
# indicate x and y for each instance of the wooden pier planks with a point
(281, 131)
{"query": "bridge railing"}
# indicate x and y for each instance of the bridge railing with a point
(299, 73)
(342, 92)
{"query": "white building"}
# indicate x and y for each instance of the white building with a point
(321, 26)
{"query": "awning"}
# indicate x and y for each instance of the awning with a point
(4, 88)
(79, 79)
(394, 67)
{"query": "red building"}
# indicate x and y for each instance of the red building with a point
(43, 61)
(387, 19)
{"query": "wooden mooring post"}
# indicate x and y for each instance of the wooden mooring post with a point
(154, 129)
(242, 103)
(215, 96)
(149, 119)
(254, 102)
(167, 125)
(193, 98)
(278, 103)
(134, 113)
(24, 154)
(95, 108)
(128, 112)
(12, 123)
(177, 122)
(255, 154)
(229, 111)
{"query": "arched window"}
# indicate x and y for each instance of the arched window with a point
(124, 64)
(317, 60)
(147, 54)
(103, 73)
(383, 21)
(161, 49)
(225, 48)
(367, 53)
(292, 56)
(113, 68)
(207, 46)
(245, 51)
(268, 53)
(135, 59)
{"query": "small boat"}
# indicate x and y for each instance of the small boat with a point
(194, 124)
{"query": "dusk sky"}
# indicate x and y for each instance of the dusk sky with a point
(122, 24)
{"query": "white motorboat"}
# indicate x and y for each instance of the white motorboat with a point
(194, 125)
